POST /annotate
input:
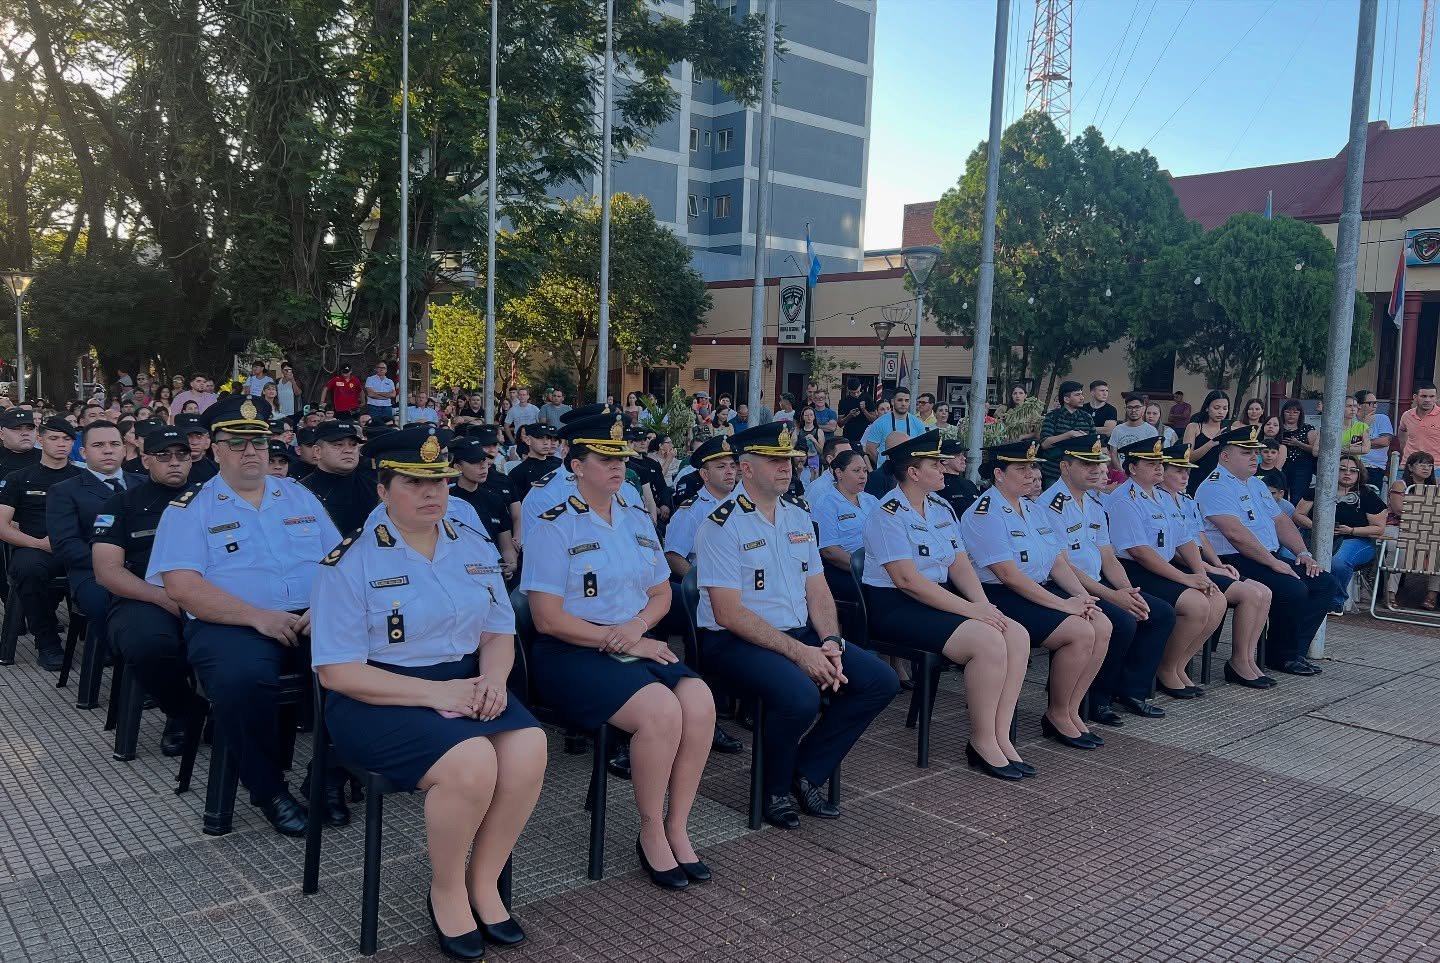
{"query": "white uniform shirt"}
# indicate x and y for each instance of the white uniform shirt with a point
(823, 485)
(1250, 501)
(266, 557)
(994, 531)
(768, 562)
(602, 570)
(377, 599)
(685, 524)
(842, 524)
(553, 488)
(1152, 520)
(896, 531)
(1079, 530)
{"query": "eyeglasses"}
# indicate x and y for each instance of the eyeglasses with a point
(165, 456)
(1349, 471)
(238, 445)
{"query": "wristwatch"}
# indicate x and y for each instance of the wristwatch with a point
(839, 642)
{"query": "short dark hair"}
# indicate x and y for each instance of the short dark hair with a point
(1099, 383)
(854, 384)
(95, 425)
(1423, 386)
(843, 460)
(900, 391)
(832, 444)
(926, 396)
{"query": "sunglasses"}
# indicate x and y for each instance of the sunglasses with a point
(166, 456)
(238, 445)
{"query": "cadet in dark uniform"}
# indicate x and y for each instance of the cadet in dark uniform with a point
(238, 555)
(23, 494)
(539, 460)
(414, 638)
(345, 489)
(17, 440)
(771, 629)
(921, 589)
(305, 455)
(202, 460)
(1011, 543)
(278, 464)
(598, 583)
(648, 470)
(959, 491)
(144, 624)
(1247, 529)
(472, 462)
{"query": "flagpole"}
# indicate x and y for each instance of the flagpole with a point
(492, 176)
(602, 354)
(403, 401)
(762, 219)
(1398, 319)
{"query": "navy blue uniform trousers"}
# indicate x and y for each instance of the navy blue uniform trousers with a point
(1297, 609)
(32, 573)
(149, 638)
(1135, 651)
(792, 702)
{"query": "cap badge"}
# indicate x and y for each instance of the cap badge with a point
(784, 440)
(1096, 449)
(1187, 455)
(617, 430)
(248, 410)
(1254, 432)
(1033, 450)
(430, 451)
(1159, 448)
(724, 445)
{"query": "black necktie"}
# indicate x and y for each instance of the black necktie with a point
(114, 483)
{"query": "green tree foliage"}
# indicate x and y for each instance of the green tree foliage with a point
(1073, 218)
(826, 371)
(1262, 305)
(657, 300)
(457, 343)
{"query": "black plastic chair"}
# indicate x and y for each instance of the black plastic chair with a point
(127, 705)
(14, 621)
(690, 600)
(376, 787)
(601, 741)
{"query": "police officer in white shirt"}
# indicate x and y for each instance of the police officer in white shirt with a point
(558, 485)
(238, 556)
(840, 512)
(1248, 529)
(1141, 621)
(770, 629)
(715, 462)
(598, 584)
(1011, 543)
(920, 589)
(824, 483)
(413, 637)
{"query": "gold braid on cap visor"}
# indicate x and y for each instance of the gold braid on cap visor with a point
(416, 469)
(605, 446)
(242, 426)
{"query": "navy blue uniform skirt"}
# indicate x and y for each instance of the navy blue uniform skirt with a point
(896, 617)
(403, 742)
(1160, 586)
(1039, 620)
(586, 686)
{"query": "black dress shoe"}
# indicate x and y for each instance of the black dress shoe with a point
(674, 878)
(1024, 768)
(507, 932)
(780, 811)
(337, 813)
(1141, 707)
(977, 762)
(1106, 716)
(1237, 679)
(469, 947)
(1197, 691)
(1074, 742)
(814, 801)
(1294, 667)
(51, 657)
(1269, 682)
(1184, 693)
(619, 764)
(697, 871)
(725, 743)
(172, 740)
(1092, 738)
(285, 814)
(1314, 665)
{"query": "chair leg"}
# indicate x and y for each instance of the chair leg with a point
(1260, 646)
(117, 692)
(835, 787)
(72, 638)
(506, 883)
(599, 783)
(220, 791)
(757, 766)
(193, 735)
(925, 687)
(92, 666)
(1207, 654)
(131, 707)
(10, 629)
(310, 882)
(370, 895)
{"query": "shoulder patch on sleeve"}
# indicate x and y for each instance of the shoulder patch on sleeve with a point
(719, 515)
(339, 550)
(550, 514)
(1057, 504)
(892, 506)
(184, 499)
(982, 507)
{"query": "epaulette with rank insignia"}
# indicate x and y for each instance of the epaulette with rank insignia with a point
(550, 514)
(1133, 491)
(469, 528)
(745, 503)
(687, 502)
(892, 506)
(544, 479)
(1214, 476)
(719, 515)
(982, 507)
(579, 507)
(449, 529)
(383, 538)
(1057, 504)
(795, 500)
(342, 548)
(184, 499)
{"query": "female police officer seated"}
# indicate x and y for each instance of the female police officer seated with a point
(1025, 577)
(413, 636)
(840, 513)
(921, 588)
(598, 582)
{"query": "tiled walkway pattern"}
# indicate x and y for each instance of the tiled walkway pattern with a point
(1295, 825)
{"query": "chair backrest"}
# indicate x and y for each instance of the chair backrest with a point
(690, 602)
(1417, 549)
(862, 622)
(519, 680)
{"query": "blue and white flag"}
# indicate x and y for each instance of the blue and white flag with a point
(812, 258)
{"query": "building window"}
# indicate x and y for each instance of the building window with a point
(692, 205)
(707, 138)
(730, 6)
(722, 206)
(704, 203)
(725, 140)
(694, 138)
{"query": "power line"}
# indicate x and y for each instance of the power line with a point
(1384, 44)
(1394, 59)
(1139, 38)
(1146, 82)
(1109, 59)
(1319, 9)
(1114, 61)
(1211, 73)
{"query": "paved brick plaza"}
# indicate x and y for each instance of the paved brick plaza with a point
(1298, 825)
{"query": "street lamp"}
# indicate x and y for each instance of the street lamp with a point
(919, 262)
(19, 282)
(882, 331)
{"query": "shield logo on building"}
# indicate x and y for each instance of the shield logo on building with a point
(1426, 246)
(792, 303)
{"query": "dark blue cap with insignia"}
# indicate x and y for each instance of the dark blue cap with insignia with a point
(1025, 452)
(1086, 448)
(951, 447)
(337, 431)
(278, 449)
(1242, 437)
(602, 433)
(539, 429)
(158, 439)
(775, 440)
(59, 424)
(239, 415)
(924, 445)
(586, 411)
(636, 433)
(414, 451)
(191, 424)
(470, 450)
(714, 448)
(17, 418)
(1178, 456)
(305, 436)
(280, 425)
(1147, 449)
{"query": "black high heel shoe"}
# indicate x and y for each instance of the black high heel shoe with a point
(467, 947)
(1074, 742)
(507, 932)
(696, 872)
(978, 763)
(1090, 735)
(1184, 693)
(1024, 768)
(664, 878)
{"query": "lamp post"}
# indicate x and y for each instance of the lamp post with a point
(882, 331)
(19, 282)
(919, 262)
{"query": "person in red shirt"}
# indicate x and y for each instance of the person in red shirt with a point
(344, 391)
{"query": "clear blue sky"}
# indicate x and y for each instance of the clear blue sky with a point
(1282, 94)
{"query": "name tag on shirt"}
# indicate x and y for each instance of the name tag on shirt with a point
(647, 542)
(797, 538)
(391, 582)
(758, 543)
(842, 518)
(586, 547)
(301, 520)
(228, 527)
(475, 568)
(1076, 527)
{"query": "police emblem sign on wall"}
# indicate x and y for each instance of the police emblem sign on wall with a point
(794, 313)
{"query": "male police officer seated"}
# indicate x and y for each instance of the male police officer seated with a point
(17, 440)
(1247, 528)
(346, 490)
(202, 457)
(238, 556)
(23, 494)
(771, 629)
(144, 624)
